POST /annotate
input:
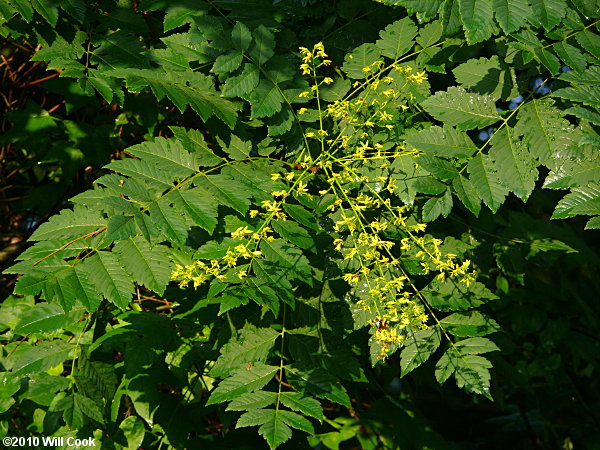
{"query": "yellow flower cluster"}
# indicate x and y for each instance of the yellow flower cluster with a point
(372, 262)
(360, 197)
(199, 272)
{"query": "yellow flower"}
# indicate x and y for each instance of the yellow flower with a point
(301, 188)
(304, 94)
(320, 50)
(364, 146)
(240, 233)
(302, 110)
(328, 80)
(242, 251)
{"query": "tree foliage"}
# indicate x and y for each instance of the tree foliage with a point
(322, 214)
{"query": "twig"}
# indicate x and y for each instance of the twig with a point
(41, 80)
(93, 233)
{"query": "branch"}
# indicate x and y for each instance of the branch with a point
(93, 233)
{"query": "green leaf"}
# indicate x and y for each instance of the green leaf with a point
(238, 149)
(9, 386)
(61, 52)
(168, 155)
(83, 288)
(363, 56)
(110, 278)
(254, 175)
(252, 400)
(227, 62)
(477, 18)
(296, 421)
(75, 8)
(289, 258)
(548, 59)
(426, 8)
(573, 172)
(181, 13)
(470, 371)
(469, 323)
(75, 406)
(486, 181)
(549, 12)
(511, 14)
(42, 356)
(121, 227)
(446, 142)
(336, 90)
(183, 89)
(588, 95)
(404, 171)
(273, 428)
(69, 224)
(263, 45)
(197, 205)
(590, 42)
(46, 317)
(144, 172)
(514, 163)
(432, 32)
(272, 280)
(418, 348)
(253, 344)
(589, 77)
(266, 295)
(437, 206)
(462, 109)
(242, 84)
(134, 431)
(487, 76)
(475, 346)
(242, 381)
(318, 382)
(226, 191)
(306, 405)
(95, 379)
(583, 200)
(301, 215)
(466, 193)
(169, 221)
(593, 224)
(397, 38)
(571, 56)
(438, 167)
(429, 185)
(193, 141)
(232, 300)
(295, 234)
(24, 8)
(453, 295)
(241, 37)
(149, 265)
(265, 99)
(280, 122)
(47, 10)
(542, 128)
